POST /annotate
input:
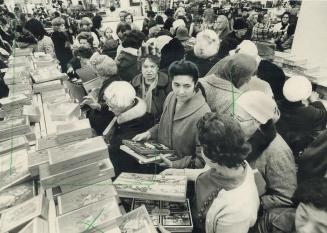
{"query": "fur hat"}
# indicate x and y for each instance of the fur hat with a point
(297, 88)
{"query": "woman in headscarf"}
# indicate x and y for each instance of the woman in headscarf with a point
(222, 27)
(152, 86)
(221, 86)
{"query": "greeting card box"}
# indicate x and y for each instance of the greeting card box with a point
(24, 212)
(73, 131)
(13, 144)
(16, 194)
(18, 61)
(10, 102)
(37, 225)
(49, 179)
(51, 73)
(64, 111)
(153, 187)
(32, 112)
(16, 75)
(148, 147)
(14, 127)
(174, 216)
(85, 196)
(78, 154)
(28, 93)
(106, 173)
(11, 113)
(93, 84)
(20, 87)
(88, 217)
(49, 96)
(14, 168)
(46, 86)
(35, 159)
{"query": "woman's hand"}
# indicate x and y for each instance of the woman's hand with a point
(173, 171)
(142, 136)
(91, 101)
(165, 162)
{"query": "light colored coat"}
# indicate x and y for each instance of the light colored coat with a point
(177, 130)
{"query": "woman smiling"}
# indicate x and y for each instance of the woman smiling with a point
(183, 107)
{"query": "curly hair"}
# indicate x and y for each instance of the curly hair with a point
(133, 39)
(223, 140)
(86, 36)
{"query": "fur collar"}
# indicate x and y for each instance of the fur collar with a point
(130, 50)
(137, 111)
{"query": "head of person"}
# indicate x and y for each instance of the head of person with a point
(223, 141)
(97, 21)
(311, 214)
(249, 48)
(297, 88)
(286, 17)
(159, 20)
(108, 33)
(245, 13)
(177, 23)
(58, 24)
(206, 44)
(169, 12)
(85, 39)
(122, 28)
(150, 68)
(237, 68)
(119, 96)
(35, 27)
(133, 39)
(253, 17)
(129, 18)
(151, 14)
(184, 75)
(253, 109)
(221, 23)
(122, 16)
(85, 24)
(182, 33)
(83, 53)
(103, 65)
(240, 27)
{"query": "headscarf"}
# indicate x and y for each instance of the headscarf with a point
(237, 68)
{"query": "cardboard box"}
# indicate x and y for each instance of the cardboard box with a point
(74, 131)
(95, 214)
(16, 75)
(37, 225)
(27, 93)
(13, 144)
(85, 196)
(14, 127)
(49, 96)
(78, 154)
(152, 187)
(46, 86)
(51, 73)
(49, 179)
(35, 159)
(14, 168)
(16, 194)
(12, 101)
(32, 112)
(24, 212)
(64, 111)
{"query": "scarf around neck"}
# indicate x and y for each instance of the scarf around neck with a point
(147, 94)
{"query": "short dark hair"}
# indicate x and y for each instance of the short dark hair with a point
(35, 27)
(123, 27)
(159, 19)
(183, 67)
(151, 14)
(133, 39)
(153, 58)
(86, 36)
(129, 14)
(222, 139)
(84, 52)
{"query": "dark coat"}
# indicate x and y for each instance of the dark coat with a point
(204, 64)
(230, 42)
(127, 66)
(300, 124)
(159, 95)
(63, 53)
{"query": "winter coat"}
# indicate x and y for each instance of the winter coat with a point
(229, 43)
(204, 64)
(178, 131)
(63, 53)
(159, 95)
(127, 66)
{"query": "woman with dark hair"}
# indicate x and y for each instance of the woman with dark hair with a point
(286, 42)
(183, 107)
(127, 59)
(152, 86)
(130, 20)
(44, 43)
(226, 197)
(280, 28)
(96, 21)
(61, 42)
(222, 84)
(121, 29)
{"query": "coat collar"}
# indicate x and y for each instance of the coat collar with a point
(189, 107)
(219, 83)
(137, 111)
(163, 80)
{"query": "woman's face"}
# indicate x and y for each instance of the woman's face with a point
(149, 71)
(114, 108)
(206, 48)
(285, 18)
(108, 33)
(62, 28)
(220, 24)
(184, 87)
(128, 19)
